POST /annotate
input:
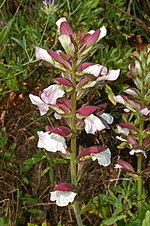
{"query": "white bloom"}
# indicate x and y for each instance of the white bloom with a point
(119, 99)
(136, 151)
(51, 142)
(51, 93)
(42, 54)
(58, 23)
(93, 123)
(103, 32)
(117, 166)
(93, 69)
(124, 131)
(104, 157)
(145, 111)
(121, 138)
(43, 107)
(48, 96)
(62, 198)
(107, 117)
(57, 116)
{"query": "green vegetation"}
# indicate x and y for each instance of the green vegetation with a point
(107, 196)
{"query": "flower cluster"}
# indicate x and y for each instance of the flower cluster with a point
(133, 133)
(62, 97)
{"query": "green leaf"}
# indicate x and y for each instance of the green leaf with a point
(146, 221)
(35, 159)
(19, 42)
(45, 171)
(12, 82)
(113, 220)
(4, 33)
(59, 223)
(35, 211)
(44, 223)
(136, 222)
(110, 94)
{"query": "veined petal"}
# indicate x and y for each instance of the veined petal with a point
(107, 117)
(91, 39)
(52, 93)
(104, 157)
(91, 151)
(103, 33)
(93, 69)
(121, 130)
(43, 107)
(119, 99)
(42, 54)
(86, 110)
(93, 124)
(62, 198)
(67, 44)
(51, 142)
(113, 75)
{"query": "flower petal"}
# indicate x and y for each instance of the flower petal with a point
(104, 157)
(52, 93)
(51, 142)
(67, 44)
(43, 107)
(62, 198)
(107, 117)
(93, 123)
(42, 54)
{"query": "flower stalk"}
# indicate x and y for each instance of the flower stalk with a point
(62, 99)
(73, 154)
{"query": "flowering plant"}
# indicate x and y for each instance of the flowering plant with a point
(134, 131)
(77, 76)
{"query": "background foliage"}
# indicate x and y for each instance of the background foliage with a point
(27, 175)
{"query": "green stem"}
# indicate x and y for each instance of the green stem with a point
(139, 159)
(139, 168)
(73, 145)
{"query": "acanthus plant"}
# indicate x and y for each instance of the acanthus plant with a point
(77, 77)
(134, 132)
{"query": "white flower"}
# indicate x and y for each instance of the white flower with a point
(51, 142)
(93, 123)
(48, 96)
(117, 166)
(121, 130)
(62, 198)
(51, 93)
(107, 117)
(136, 151)
(121, 138)
(43, 107)
(104, 157)
(42, 54)
(57, 116)
(145, 111)
(58, 23)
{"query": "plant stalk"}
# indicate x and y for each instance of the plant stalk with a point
(139, 168)
(74, 146)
